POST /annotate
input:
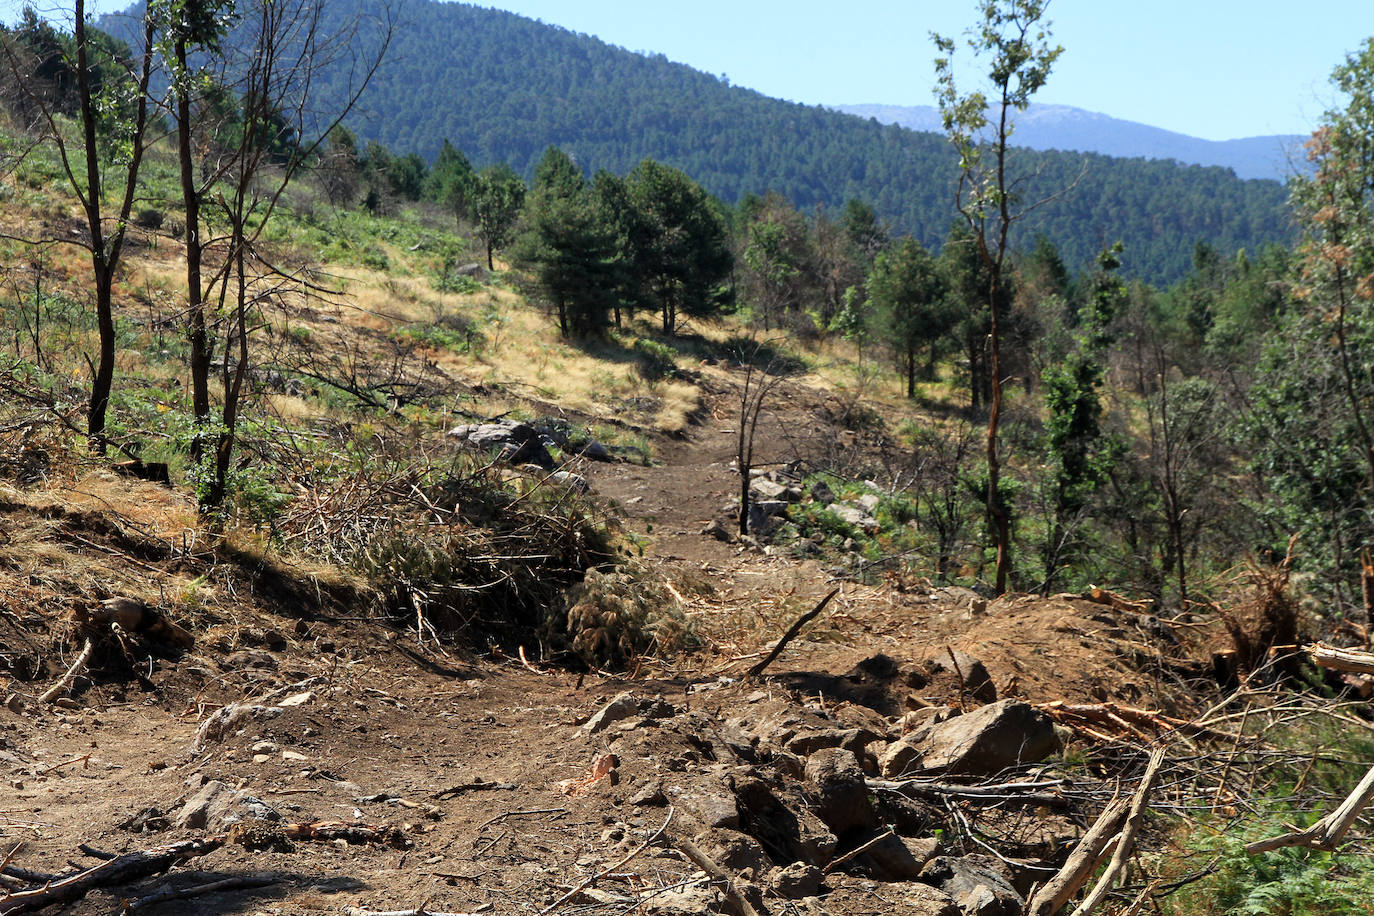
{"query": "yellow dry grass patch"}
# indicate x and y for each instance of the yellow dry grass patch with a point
(148, 508)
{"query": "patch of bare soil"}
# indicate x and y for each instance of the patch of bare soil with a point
(348, 766)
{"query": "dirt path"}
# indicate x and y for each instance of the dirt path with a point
(469, 758)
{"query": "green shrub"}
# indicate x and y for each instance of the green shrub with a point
(656, 361)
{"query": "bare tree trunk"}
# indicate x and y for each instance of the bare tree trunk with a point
(197, 331)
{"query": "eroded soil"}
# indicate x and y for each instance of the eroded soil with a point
(470, 755)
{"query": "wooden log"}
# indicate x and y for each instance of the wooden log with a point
(1352, 660)
(739, 904)
(1082, 862)
(65, 681)
(1327, 833)
(131, 866)
(1125, 843)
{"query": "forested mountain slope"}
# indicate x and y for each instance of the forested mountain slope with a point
(502, 87)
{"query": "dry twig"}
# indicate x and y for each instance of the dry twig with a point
(65, 681)
(604, 872)
(791, 634)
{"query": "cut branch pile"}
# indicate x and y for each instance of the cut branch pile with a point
(1111, 721)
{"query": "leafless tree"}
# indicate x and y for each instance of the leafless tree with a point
(239, 159)
(759, 383)
(96, 154)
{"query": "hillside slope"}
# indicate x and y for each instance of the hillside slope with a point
(504, 88)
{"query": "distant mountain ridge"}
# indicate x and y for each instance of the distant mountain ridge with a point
(503, 88)
(1063, 127)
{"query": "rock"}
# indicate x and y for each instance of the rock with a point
(978, 887)
(216, 806)
(766, 489)
(900, 858)
(229, 719)
(835, 783)
(299, 699)
(622, 707)
(761, 519)
(869, 502)
(903, 756)
(470, 270)
(707, 801)
(692, 900)
(595, 451)
(988, 740)
(782, 822)
(571, 481)
(926, 716)
(796, 881)
(719, 530)
(735, 852)
(14, 703)
(769, 508)
(973, 673)
(854, 516)
(853, 740)
(250, 658)
(650, 794)
(517, 443)
(916, 899)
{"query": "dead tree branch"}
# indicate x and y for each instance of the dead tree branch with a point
(1327, 833)
(1125, 843)
(791, 634)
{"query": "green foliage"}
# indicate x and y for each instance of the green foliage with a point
(571, 246)
(1073, 426)
(497, 196)
(525, 85)
(1285, 882)
(656, 360)
(683, 255)
(914, 313)
(777, 261)
(1311, 434)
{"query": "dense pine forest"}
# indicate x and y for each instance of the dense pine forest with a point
(502, 88)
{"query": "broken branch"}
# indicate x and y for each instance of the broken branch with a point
(131, 866)
(78, 666)
(1126, 841)
(597, 877)
(1082, 862)
(1327, 833)
(791, 633)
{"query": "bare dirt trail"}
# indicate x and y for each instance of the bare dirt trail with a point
(473, 760)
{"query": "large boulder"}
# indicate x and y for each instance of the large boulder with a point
(855, 517)
(783, 823)
(518, 443)
(835, 784)
(986, 741)
(215, 806)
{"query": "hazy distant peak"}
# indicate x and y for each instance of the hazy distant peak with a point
(1067, 128)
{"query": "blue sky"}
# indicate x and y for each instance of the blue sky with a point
(1217, 69)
